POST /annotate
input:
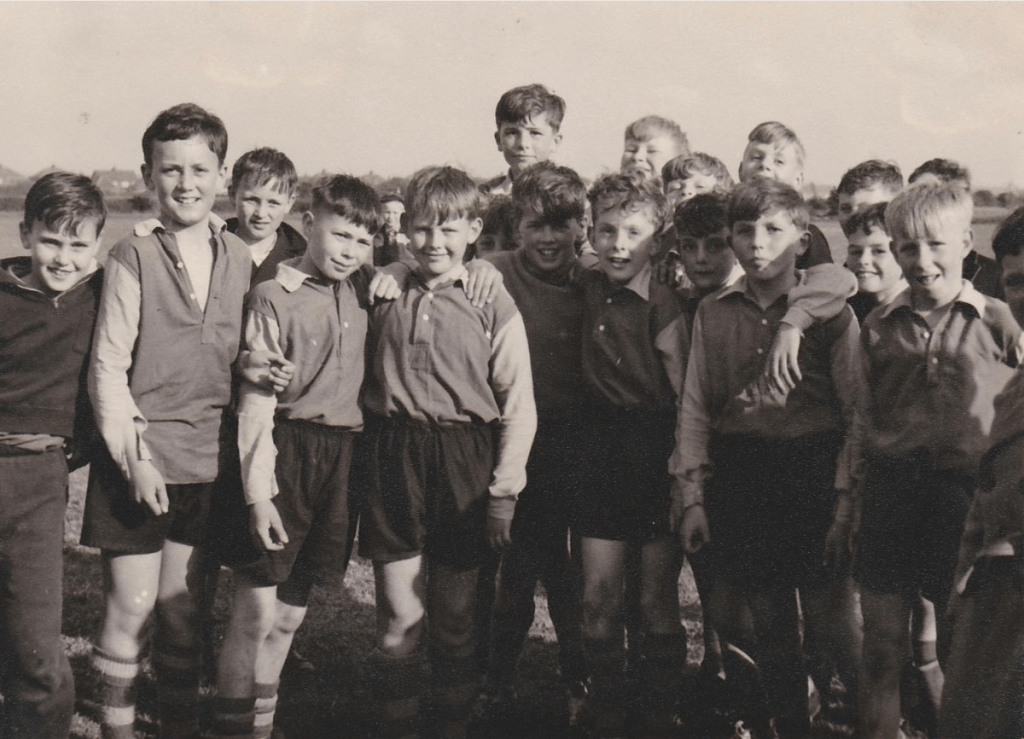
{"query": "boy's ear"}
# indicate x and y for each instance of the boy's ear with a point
(307, 224)
(805, 241)
(968, 241)
(24, 231)
(497, 139)
(476, 227)
(147, 179)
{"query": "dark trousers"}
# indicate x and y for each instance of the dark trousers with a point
(37, 683)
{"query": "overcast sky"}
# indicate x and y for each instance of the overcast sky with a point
(391, 87)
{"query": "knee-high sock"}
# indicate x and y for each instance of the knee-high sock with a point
(397, 684)
(116, 677)
(177, 670)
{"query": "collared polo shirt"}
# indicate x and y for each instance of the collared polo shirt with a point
(931, 391)
(726, 392)
(635, 341)
(320, 326)
(160, 374)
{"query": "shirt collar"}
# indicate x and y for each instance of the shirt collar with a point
(640, 283)
(151, 225)
(968, 296)
(289, 276)
(455, 274)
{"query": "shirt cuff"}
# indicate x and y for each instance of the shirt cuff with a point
(503, 508)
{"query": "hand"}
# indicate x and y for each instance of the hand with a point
(693, 531)
(484, 282)
(384, 286)
(839, 546)
(77, 453)
(499, 533)
(266, 369)
(669, 272)
(782, 365)
(147, 486)
(265, 523)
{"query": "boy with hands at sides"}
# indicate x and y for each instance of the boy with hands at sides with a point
(296, 447)
(160, 377)
(764, 460)
(48, 301)
(450, 421)
(935, 359)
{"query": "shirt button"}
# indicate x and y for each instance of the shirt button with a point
(760, 351)
(345, 324)
(426, 317)
(430, 296)
(192, 296)
(927, 334)
(935, 360)
(601, 327)
(608, 300)
(179, 265)
(764, 321)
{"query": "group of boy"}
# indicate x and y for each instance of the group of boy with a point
(748, 414)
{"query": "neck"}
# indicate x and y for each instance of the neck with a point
(432, 281)
(884, 296)
(196, 230)
(766, 292)
(558, 277)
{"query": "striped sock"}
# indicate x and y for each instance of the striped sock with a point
(266, 706)
(116, 678)
(177, 670)
(397, 684)
(233, 717)
(456, 681)
(606, 658)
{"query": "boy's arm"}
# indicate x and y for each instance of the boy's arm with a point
(689, 465)
(820, 295)
(256, 450)
(848, 369)
(118, 418)
(512, 384)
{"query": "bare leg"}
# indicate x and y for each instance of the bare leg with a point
(886, 618)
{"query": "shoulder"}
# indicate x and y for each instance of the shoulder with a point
(492, 183)
(501, 310)
(831, 329)
(296, 241)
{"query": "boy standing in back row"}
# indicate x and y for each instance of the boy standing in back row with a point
(528, 119)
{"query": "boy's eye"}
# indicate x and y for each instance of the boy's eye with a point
(716, 245)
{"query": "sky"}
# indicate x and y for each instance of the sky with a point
(392, 87)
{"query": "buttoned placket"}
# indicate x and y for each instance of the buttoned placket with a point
(169, 243)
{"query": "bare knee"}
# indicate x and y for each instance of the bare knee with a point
(286, 619)
(602, 608)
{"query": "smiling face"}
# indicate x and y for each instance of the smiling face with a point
(768, 247)
(708, 260)
(932, 262)
(440, 247)
(624, 241)
(336, 246)
(185, 175)
(527, 142)
(260, 210)
(869, 256)
(60, 258)
(772, 162)
(649, 156)
(858, 200)
(548, 247)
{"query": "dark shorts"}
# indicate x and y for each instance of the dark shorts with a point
(317, 512)
(912, 519)
(769, 507)
(426, 492)
(115, 523)
(626, 495)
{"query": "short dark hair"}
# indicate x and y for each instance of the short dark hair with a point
(681, 167)
(350, 198)
(529, 101)
(945, 169)
(500, 217)
(183, 121)
(443, 193)
(1009, 238)
(751, 200)
(702, 215)
(62, 201)
(556, 193)
(392, 196)
(864, 220)
(629, 191)
(260, 167)
(870, 173)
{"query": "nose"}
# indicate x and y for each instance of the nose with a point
(702, 254)
(186, 180)
(63, 255)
